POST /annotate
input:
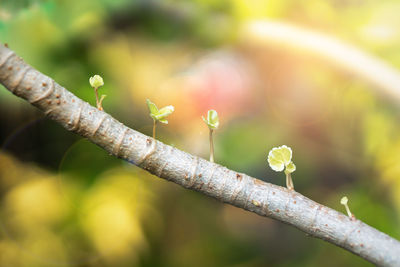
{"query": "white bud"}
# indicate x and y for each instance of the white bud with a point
(96, 81)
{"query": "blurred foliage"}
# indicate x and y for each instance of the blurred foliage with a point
(66, 202)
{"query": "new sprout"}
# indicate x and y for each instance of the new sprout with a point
(212, 122)
(158, 114)
(279, 159)
(344, 201)
(96, 82)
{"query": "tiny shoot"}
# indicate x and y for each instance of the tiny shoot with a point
(344, 202)
(279, 159)
(158, 114)
(212, 122)
(96, 82)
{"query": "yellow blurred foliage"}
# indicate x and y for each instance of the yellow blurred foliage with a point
(244, 9)
(45, 32)
(87, 23)
(142, 67)
(37, 211)
(35, 202)
(382, 145)
(111, 215)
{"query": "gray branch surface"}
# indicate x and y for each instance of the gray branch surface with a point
(192, 172)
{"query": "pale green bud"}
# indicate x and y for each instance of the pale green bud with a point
(212, 120)
(96, 81)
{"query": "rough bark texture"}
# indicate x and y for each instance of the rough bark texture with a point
(192, 172)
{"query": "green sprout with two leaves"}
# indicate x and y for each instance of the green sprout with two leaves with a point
(279, 159)
(96, 82)
(158, 115)
(212, 122)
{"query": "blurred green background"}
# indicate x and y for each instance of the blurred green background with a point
(66, 202)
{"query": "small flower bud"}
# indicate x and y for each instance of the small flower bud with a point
(96, 81)
(212, 120)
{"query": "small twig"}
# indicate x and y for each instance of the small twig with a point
(289, 181)
(211, 146)
(98, 105)
(154, 129)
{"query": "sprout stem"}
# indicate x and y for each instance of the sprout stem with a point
(289, 181)
(211, 146)
(348, 211)
(154, 129)
(100, 107)
(98, 104)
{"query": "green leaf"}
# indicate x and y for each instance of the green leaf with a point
(275, 164)
(282, 153)
(290, 167)
(152, 107)
(164, 112)
(159, 115)
(212, 120)
(280, 157)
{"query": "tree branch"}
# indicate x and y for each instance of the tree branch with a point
(193, 172)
